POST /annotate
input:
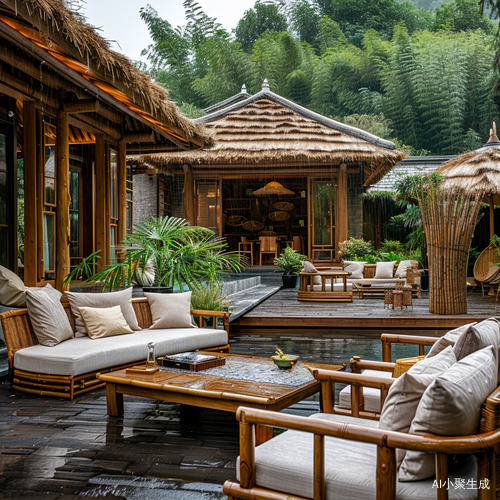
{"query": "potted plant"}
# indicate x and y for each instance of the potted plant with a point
(289, 263)
(209, 298)
(170, 252)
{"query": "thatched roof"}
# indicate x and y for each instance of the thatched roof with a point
(67, 39)
(271, 130)
(477, 172)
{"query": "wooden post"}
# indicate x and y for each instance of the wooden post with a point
(62, 264)
(341, 207)
(492, 217)
(189, 205)
(122, 191)
(386, 473)
(40, 193)
(30, 194)
(101, 226)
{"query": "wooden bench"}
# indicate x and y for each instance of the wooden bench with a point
(19, 334)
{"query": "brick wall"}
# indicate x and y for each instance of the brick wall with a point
(145, 197)
(355, 205)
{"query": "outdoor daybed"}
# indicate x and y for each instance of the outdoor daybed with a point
(438, 436)
(70, 367)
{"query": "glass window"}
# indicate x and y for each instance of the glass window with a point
(50, 175)
(74, 208)
(323, 213)
(49, 241)
(113, 174)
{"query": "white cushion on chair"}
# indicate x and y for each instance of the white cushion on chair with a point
(371, 395)
(285, 463)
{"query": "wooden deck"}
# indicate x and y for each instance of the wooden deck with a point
(283, 310)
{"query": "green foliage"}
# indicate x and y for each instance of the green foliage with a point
(461, 15)
(355, 249)
(263, 18)
(289, 262)
(177, 253)
(393, 246)
(374, 124)
(190, 110)
(208, 299)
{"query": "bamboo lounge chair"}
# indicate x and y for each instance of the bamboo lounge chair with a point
(486, 270)
(332, 456)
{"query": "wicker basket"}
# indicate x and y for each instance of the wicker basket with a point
(404, 364)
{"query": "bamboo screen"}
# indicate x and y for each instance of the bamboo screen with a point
(449, 219)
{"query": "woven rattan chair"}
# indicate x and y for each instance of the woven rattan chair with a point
(486, 270)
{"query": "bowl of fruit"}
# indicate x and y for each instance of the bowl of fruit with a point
(284, 361)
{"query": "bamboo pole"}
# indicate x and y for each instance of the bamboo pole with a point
(122, 191)
(101, 226)
(62, 264)
(40, 192)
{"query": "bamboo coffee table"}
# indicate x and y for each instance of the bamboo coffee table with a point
(208, 392)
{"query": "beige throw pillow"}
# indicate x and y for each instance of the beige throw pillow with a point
(355, 268)
(451, 406)
(123, 298)
(402, 268)
(384, 270)
(406, 391)
(47, 315)
(12, 289)
(170, 310)
(104, 321)
(448, 339)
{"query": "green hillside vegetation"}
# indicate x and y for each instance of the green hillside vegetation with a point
(420, 73)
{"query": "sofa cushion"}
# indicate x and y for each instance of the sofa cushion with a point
(122, 298)
(11, 289)
(448, 339)
(285, 463)
(47, 315)
(170, 310)
(405, 393)
(371, 395)
(402, 268)
(355, 268)
(82, 354)
(104, 321)
(384, 270)
(377, 282)
(479, 336)
(309, 268)
(451, 406)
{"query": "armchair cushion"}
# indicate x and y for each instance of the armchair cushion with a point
(449, 338)
(451, 406)
(285, 463)
(309, 268)
(12, 289)
(402, 268)
(355, 268)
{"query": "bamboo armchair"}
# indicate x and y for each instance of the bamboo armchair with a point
(483, 445)
(486, 270)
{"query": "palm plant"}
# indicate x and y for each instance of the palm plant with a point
(177, 254)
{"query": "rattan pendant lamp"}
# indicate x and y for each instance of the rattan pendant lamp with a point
(273, 188)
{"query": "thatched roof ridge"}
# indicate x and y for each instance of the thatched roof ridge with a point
(475, 172)
(56, 22)
(267, 129)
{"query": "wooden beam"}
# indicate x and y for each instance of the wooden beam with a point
(62, 264)
(189, 202)
(40, 191)
(30, 194)
(11, 92)
(101, 226)
(82, 106)
(139, 137)
(122, 191)
(95, 126)
(151, 148)
(341, 209)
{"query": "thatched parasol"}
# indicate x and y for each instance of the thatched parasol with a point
(477, 173)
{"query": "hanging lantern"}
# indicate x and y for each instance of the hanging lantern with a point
(273, 188)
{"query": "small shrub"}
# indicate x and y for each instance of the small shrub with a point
(395, 246)
(208, 299)
(355, 249)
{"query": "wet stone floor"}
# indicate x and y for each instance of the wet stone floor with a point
(58, 449)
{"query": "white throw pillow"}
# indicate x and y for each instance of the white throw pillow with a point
(47, 315)
(402, 268)
(451, 406)
(309, 268)
(406, 391)
(122, 298)
(104, 321)
(355, 268)
(170, 310)
(11, 289)
(384, 270)
(448, 339)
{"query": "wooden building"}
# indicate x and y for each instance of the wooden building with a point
(71, 110)
(322, 167)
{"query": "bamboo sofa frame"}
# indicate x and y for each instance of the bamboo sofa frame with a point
(484, 445)
(19, 334)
